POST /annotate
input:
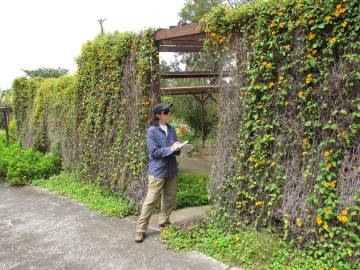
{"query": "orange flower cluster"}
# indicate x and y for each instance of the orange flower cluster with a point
(266, 64)
(343, 219)
(309, 78)
(330, 184)
(340, 10)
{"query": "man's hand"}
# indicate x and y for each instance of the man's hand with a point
(175, 146)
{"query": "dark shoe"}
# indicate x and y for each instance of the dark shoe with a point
(166, 224)
(139, 236)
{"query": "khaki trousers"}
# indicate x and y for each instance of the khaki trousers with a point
(157, 186)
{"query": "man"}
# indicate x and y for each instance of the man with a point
(162, 146)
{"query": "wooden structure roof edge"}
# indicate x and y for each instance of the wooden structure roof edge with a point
(178, 31)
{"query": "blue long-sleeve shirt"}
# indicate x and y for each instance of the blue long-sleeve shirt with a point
(162, 160)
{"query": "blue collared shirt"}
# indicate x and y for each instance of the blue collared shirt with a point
(162, 161)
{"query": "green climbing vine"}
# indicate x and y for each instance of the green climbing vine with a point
(298, 145)
(98, 116)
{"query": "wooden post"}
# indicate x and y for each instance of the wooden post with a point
(155, 83)
(202, 101)
(202, 121)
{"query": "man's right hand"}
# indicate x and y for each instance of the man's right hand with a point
(175, 146)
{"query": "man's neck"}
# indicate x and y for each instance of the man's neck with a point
(162, 123)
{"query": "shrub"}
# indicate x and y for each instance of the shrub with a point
(192, 190)
(20, 166)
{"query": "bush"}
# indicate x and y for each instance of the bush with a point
(192, 190)
(20, 166)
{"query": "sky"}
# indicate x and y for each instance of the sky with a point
(47, 33)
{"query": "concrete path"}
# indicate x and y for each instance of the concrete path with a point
(41, 230)
(195, 165)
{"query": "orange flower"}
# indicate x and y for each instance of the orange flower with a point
(343, 135)
(263, 161)
(301, 94)
(309, 78)
(258, 203)
(304, 154)
(288, 46)
(344, 212)
(286, 103)
(337, 14)
(326, 227)
(311, 22)
(344, 24)
(314, 52)
(319, 220)
(328, 18)
(332, 41)
(273, 33)
(272, 23)
(342, 10)
(326, 153)
(299, 222)
(333, 184)
(272, 164)
(328, 212)
(299, 5)
(282, 25)
(305, 141)
(270, 84)
(343, 219)
(298, 22)
(281, 78)
(329, 165)
(309, 55)
(258, 87)
(311, 36)
(256, 165)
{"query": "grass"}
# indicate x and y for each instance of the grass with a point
(251, 250)
(192, 190)
(93, 195)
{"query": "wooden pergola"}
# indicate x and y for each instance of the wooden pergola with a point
(187, 38)
(5, 124)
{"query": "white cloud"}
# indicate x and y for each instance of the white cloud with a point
(45, 33)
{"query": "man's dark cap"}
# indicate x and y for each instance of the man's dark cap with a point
(160, 107)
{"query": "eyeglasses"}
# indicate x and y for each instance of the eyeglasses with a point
(166, 112)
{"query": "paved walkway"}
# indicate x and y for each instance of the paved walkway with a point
(41, 230)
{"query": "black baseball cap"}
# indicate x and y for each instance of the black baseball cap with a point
(161, 107)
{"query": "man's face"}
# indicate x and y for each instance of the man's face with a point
(164, 116)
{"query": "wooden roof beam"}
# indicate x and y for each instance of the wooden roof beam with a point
(180, 48)
(192, 74)
(184, 90)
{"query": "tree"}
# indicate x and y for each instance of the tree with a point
(46, 72)
(194, 10)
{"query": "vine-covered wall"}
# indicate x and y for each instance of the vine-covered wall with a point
(289, 150)
(97, 118)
